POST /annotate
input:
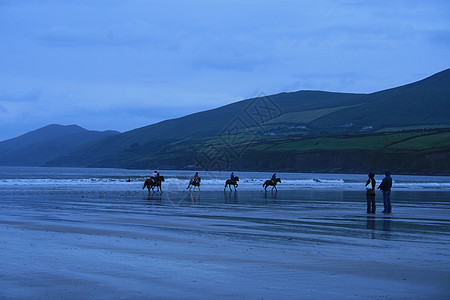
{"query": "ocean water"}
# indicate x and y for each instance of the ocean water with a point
(119, 179)
(95, 233)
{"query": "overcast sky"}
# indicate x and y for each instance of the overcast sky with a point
(126, 64)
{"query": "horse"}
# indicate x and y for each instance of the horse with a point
(150, 184)
(272, 183)
(194, 183)
(231, 182)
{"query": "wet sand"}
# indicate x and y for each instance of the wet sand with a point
(71, 243)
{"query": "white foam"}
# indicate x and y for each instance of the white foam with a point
(179, 180)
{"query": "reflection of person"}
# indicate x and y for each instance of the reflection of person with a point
(370, 193)
(387, 224)
(370, 222)
(385, 187)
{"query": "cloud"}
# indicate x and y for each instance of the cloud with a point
(134, 34)
(89, 62)
(440, 37)
(31, 96)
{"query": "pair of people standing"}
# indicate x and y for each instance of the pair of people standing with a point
(385, 187)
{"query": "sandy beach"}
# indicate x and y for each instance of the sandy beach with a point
(73, 242)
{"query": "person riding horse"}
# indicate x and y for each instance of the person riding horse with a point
(154, 181)
(196, 177)
(154, 176)
(272, 182)
(195, 182)
(232, 181)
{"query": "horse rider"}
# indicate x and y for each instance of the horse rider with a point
(274, 177)
(196, 177)
(154, 176)
(232, 176)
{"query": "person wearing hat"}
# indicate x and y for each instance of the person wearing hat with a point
(385, 187)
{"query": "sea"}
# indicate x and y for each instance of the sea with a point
(130, 180)
(98, 234)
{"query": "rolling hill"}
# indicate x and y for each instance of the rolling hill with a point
(37, 147)
(426, 102)
(286, 131)
(404, 128)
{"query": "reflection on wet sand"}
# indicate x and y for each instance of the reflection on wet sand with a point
(230, 197)
(270, 195)
(194, 197)
(383, 223)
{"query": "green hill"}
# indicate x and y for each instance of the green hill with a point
(290, 127)
(423, 103)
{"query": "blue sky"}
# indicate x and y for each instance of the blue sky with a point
(125, 64)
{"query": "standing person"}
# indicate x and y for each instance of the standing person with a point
(370, 193)
(385, 187)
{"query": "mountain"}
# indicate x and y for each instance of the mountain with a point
(404, 128)
(199, 125)
(37, 147)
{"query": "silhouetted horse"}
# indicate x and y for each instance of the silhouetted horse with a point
(150, 184)
(194, 183)
(231, 182)
(272, 183)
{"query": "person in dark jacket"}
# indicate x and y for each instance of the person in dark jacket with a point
(274, 177)
(385, 187)
(370, 193)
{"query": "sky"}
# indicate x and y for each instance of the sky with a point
(120, 65)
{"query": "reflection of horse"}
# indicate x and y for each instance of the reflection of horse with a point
(194, 183)
(150, 184)
(232, 182)
(272, 183)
